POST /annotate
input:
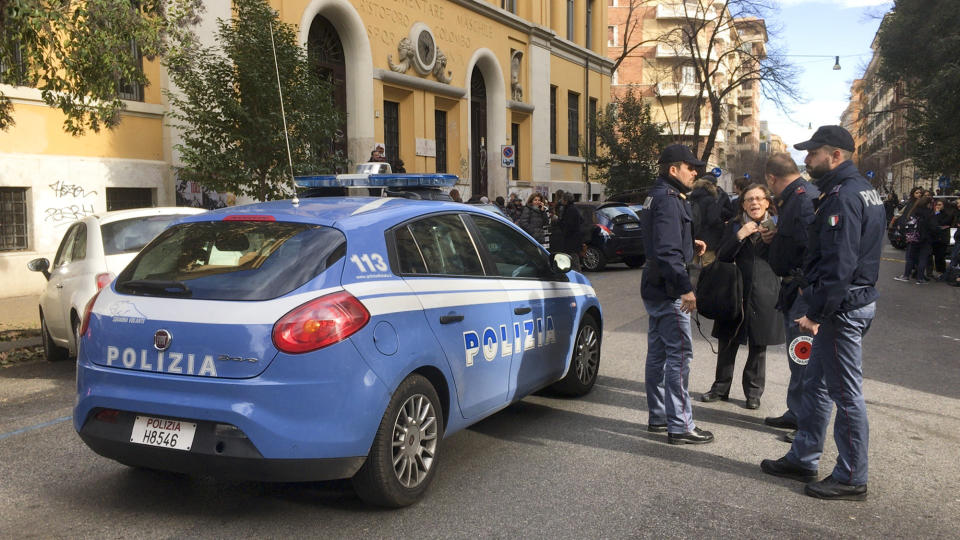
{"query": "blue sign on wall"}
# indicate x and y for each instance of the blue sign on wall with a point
(717, 171)
(869, 175)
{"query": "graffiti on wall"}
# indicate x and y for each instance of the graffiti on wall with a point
(73, 203)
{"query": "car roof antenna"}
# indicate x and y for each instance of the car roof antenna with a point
(286, 137)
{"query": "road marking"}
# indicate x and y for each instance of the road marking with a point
(953, 338)
(35, 426)
(892, 260)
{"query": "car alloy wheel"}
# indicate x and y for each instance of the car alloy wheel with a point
(414, 440)
(403, 457)
(593, 259)
(585, 362)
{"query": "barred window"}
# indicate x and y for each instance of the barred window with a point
(126, 198)
(573, 123)
(13, 219)
(130, 90)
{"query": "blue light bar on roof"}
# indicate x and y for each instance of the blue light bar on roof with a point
(377, 180)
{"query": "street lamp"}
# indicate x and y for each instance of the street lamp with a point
(836, 65)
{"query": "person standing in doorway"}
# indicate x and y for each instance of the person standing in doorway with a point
(668, 296)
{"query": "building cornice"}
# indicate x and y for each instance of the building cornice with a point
(410, 81)
(33, 96)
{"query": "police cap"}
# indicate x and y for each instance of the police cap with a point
(680, 153)
(834, 136)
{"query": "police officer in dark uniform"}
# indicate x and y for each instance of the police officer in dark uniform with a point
(841, 268)
(788, 242)
(668, 296)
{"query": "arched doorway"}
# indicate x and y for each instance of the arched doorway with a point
(478, 132)
(325, 51)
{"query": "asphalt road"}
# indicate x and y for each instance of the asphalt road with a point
(548, 467)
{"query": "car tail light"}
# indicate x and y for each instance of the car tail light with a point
(104, 279)
(319, 323)
(604, 230)
(249, 217)
(85, 324)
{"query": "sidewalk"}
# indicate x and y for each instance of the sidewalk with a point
(19, 312)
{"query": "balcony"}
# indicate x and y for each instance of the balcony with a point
(672, 51)
(743, 130)
(679, 11)
(746, 93)
(746, 147)
(667, 89)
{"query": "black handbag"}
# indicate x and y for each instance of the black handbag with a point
(720, 292)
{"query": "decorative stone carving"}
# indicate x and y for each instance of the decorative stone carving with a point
(516, 91)
(405, 56)
(440, 68)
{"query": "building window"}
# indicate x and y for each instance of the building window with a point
(132, 91)
(553, 119)
(13, 71)
(612, 36)
(570, 12)
(592, 127)
(573, 123)
(515, 140)
(440, 134)
(124, 198)
(13, 219)
(391, 131)
(589, 40)
(612, 3)
(509, 5)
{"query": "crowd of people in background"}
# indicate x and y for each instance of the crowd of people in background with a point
(925, 223)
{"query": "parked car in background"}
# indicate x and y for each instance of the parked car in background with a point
(611, 231)
(93, 251)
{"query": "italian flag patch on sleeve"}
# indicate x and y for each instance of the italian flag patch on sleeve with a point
(834, 220)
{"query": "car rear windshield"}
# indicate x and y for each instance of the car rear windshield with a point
(619, 214)
(130, 235)
(232, 260)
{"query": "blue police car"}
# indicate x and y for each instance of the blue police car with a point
(336, 337)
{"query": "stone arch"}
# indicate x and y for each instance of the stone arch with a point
(359, 69)
(486, 61)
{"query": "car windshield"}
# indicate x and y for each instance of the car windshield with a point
(619, 214)
(130, 235)
(232, 260)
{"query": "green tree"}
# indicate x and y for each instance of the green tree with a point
(228, 107)
(79, 53)
(918, 43)
(629, 144)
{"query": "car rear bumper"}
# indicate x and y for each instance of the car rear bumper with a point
(306, 417)
(619, 247)
(217, 450)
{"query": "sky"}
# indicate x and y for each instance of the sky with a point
(830, 28)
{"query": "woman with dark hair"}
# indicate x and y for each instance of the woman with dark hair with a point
(760, 324)
(940, 235)
(916, 223)
(534, 217)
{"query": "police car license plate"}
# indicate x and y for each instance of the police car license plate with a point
(631, 226)
(162, 432)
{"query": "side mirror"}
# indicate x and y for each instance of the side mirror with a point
(560, 262)
(40, 265)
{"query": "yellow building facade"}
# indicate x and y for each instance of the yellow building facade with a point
(443, 85)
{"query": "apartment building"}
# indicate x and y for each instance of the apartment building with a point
(442, 84)
(662, 69)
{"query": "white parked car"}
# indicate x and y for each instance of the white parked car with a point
(93, 251)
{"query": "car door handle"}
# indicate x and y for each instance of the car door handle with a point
(522, 310)
(447, 319)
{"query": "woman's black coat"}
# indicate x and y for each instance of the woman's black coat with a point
(761, 320)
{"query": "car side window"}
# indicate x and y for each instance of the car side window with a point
(408, 254)
(512, 253)
(444, 246)
(65, 251)
(80, 244)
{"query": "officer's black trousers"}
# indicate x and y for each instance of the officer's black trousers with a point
(754, 372)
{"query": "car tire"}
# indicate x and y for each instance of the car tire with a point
(75, 326)
(635, 262)
(593, 260)
(585, 362)
(398, 475)
(51, 352)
